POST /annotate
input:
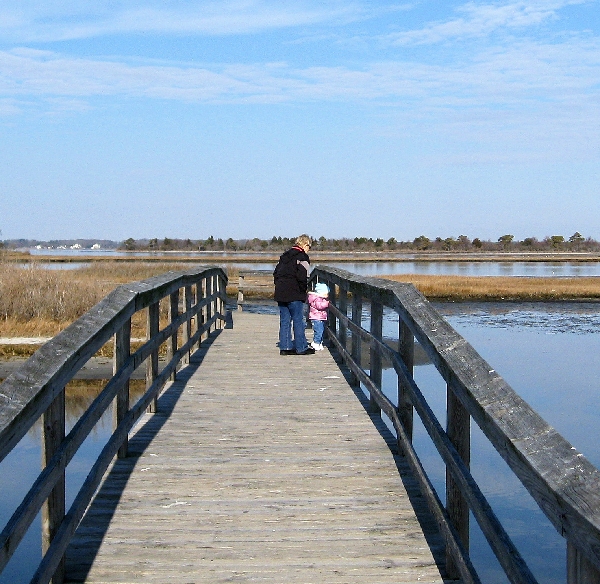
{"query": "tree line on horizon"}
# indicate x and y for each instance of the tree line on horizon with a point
(504, 243)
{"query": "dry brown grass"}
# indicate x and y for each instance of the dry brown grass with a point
(35, 301)
(503, 288)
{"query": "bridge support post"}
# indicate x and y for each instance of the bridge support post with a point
(172, 343)
(375, 353)
(406, 349)
(458, 428)
(579, 569)
(152, 328)
(121, 353)
(356, 340)
(53, 510)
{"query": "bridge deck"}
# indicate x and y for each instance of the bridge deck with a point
(257, 468)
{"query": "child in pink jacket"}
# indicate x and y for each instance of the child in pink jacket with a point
(317, 313)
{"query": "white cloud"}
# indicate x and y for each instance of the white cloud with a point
(480, 20)
(37, 22)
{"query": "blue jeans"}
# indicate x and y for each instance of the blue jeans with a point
(319, 329)
(291, 314)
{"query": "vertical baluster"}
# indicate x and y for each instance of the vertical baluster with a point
(204, 309)
(375, 353)
(579, 569)
(458, 429)
(53, 510)
(172, 343)
(406, 348)
(332, 321)
(357, 320)
(343, 305)
(240, 299)
(187, 327)
(208, 292)
(122, 350)
(152, 327)
(221, 300)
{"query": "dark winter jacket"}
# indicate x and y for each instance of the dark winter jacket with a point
(291, 276)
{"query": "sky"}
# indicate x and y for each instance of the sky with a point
(337, 118)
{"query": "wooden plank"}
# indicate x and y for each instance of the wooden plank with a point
(270, 472)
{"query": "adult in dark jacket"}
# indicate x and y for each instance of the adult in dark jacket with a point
(291, 283)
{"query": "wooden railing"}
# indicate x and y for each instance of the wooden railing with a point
(196, 306)
(565, 485)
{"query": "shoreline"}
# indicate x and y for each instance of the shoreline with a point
(316, 256)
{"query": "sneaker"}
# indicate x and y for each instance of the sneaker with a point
(317, 346)
(287, 352)
(307, 351)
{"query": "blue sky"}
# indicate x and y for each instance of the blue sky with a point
(339, 118)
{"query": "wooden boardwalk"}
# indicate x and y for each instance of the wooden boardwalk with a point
(258, 468)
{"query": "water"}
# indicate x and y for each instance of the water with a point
(466, 268)
(545, 351)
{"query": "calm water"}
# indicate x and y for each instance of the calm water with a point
(538, 269)
(546, 352)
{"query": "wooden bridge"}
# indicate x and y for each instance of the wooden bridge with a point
(238, 464)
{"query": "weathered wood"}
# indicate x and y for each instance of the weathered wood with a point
(172, 343)
(357, 320)
(375, 352)
(507, 554)
(271, 473)
(121, 353)
(561, 480)
(406, 350)
(579, 569)
(53, 510)
(152, 328)
(37, 388)
(187, 327)
(458, 428)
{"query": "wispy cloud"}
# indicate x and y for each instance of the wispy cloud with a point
(527, 73)
(35, 22)
(476, 20)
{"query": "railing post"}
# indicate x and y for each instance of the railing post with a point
(172, 343)
(122, 350)
(579, 569)
(406, 349)
(343, 305)
(332, 323)
(240, 298)
(53, 510)
(204, 310)
(357, 320)
(375, 353)
(221, 300)
(458, 424)
(152, 327)
(208, 292)
(217, 301)
(187, 326)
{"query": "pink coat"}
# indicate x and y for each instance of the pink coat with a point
(318, 307)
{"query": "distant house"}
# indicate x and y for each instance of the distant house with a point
(96, 246)
(76, 246)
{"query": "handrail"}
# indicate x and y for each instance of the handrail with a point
(561, 480)
(37, 390)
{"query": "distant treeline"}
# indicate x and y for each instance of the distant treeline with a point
(575, 242)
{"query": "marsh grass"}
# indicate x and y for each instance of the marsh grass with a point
(503, 288)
